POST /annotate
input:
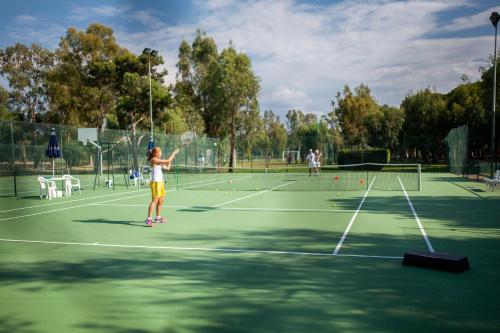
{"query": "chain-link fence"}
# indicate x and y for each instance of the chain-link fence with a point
(113, 155)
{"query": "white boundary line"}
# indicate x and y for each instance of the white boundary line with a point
(66, 208)
(420, 226)
(367, 256)
(99, 196)
(319, 210)
(69, 201)
(94, 203)
(176, 248)
(344, 235)
(251, 195)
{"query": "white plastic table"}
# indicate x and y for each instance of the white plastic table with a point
(65, 191)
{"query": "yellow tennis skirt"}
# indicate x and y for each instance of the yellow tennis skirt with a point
(157, 189)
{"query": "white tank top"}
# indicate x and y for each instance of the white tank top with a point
(156, 174)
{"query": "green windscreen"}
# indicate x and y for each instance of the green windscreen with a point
(456, 140)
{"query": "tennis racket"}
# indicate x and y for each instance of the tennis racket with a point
(187, 138)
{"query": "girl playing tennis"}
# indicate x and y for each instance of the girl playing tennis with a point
(157, 185)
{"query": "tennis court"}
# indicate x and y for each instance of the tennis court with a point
(253, 252)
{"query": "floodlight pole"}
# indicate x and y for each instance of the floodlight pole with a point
(150, 53)
(150, 96)
(494, 18)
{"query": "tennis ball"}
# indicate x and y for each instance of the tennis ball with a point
(216, 189)
(338, 194)
(334, 205)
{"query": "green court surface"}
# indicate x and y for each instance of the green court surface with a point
(250, 260)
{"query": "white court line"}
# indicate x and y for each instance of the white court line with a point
(368, 256)
(420, 226)
(94, 203)
(176, 248)
(344, 235)
(99, 196)
(66, 208)
(242, 208)
(251, 195)
(69, 201)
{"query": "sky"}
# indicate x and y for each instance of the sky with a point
(303, 52)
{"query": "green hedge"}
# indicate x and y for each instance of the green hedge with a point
(354, 156)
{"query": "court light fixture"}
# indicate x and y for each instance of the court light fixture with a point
(494, 18)
(150, 53)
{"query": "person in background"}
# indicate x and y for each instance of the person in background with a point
(317, 156)
(311, 160)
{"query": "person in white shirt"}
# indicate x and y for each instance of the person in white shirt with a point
(311, 159)
(157, 185)
(317, 156)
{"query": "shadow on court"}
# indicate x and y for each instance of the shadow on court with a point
(147, 290)
(10, 323)
(117, 222)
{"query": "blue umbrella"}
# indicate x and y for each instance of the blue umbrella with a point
(53, 150)
(151, 145)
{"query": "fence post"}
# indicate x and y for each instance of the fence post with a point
(13, 156)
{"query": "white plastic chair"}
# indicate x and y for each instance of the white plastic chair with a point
(491, 184)
(71, 182)
(47, 188)
(136, 177)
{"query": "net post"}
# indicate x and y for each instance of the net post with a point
(61, 147)
(176, 172)
(367, 177)
(419, 175)
(13, 156)
(112, 167)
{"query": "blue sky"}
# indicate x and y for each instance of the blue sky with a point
(303, 51)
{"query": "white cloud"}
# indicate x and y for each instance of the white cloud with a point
(319, 49)
(214, 4)
(80, 13)
(471, 21)
(304, 54)
(30, 29)
(147, 19)
(25, 19)
(287, 97)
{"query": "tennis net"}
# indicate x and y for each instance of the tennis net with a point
(388, 177)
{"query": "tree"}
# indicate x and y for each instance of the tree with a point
(353, 110)
(486, 84)
(276, 133)
(5, 114)
(82, 86)
(251, 134)
(466, 107)
(241, 87)
(133, 103)
(426, 123)
(384, 126)
(233, 89)
(186, 101)
(25, 68)
(294, 120)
